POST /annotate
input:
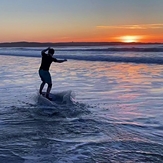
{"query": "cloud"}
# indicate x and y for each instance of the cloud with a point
(134, 27)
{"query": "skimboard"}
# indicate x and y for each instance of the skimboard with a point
(64, 97)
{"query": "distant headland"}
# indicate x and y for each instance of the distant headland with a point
(47, 44)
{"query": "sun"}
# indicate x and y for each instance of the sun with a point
(129, 39)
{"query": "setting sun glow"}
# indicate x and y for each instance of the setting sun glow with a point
(129, 39)
(68, 21)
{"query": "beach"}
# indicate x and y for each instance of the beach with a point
(112, 114)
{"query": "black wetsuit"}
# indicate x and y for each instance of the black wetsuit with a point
(46, 62)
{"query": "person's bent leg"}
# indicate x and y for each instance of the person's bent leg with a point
(48, 90)
(49, 82)
(41, 87)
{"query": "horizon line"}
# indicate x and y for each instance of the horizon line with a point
(47, 42)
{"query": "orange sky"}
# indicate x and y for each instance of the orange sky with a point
(58, 21)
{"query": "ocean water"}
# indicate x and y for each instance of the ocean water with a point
(112, 110)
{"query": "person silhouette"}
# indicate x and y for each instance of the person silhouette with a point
(47, 59)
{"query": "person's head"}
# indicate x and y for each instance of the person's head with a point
(51, 51)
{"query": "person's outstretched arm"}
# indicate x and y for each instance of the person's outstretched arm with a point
(59, 61)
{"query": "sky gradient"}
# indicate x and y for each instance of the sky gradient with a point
(81, 20)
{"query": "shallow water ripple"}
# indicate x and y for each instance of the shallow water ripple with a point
(116, 115)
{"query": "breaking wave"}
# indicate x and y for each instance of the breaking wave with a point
(101, 54)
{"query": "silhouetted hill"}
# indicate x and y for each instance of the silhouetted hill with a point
(47, 44)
